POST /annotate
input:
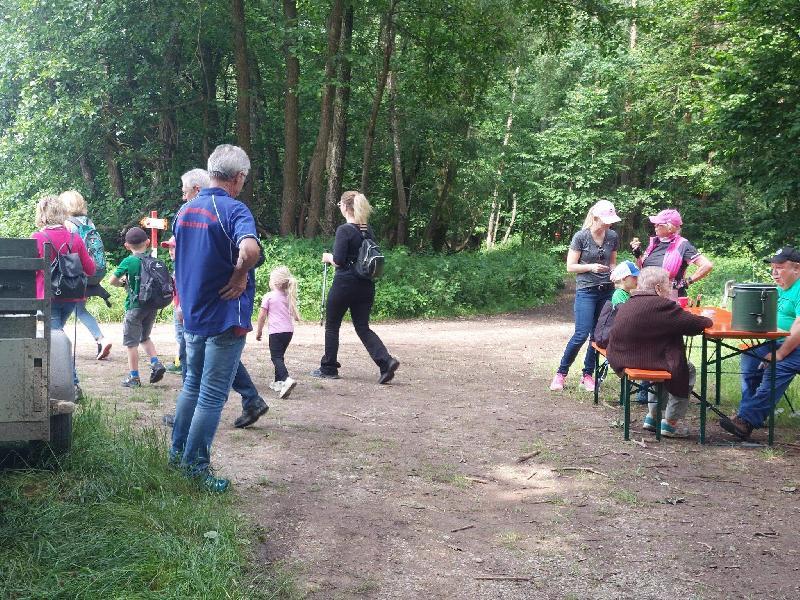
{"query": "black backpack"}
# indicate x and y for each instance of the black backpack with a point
(370, 261)
(67, 277)
(155, 283)
(602, 331)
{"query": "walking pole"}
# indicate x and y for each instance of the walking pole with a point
(322, 301)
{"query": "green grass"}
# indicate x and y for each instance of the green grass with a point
(113, 521)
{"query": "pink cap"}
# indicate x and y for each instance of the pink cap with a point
(170, 243)
(668, 216)
(606, 212)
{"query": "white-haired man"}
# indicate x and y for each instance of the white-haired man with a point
(756, 405)
(253, 405)
(217, 233)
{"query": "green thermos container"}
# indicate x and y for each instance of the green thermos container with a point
(755, 307)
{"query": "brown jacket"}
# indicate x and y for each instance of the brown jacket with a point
(648, 334)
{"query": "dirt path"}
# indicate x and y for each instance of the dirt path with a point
(414, 490)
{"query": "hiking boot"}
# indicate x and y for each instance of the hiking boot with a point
(649, 423)
(388, 374)
(103, 350)
(587, 382)
(131, 382)
(173, 368)
(286, 388)
(737, 426)
(673, 431)
(168, 420)
(248, 417)
(320, 374)
(157, 371)
(558, 382)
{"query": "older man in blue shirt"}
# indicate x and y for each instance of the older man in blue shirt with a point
(216, 251)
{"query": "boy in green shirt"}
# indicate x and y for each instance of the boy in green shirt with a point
(138, 321)
(624, 277)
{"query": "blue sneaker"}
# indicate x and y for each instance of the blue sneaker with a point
(649, 424)
(674, 431)
(213, 484)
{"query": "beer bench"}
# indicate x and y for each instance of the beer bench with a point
(631, 381)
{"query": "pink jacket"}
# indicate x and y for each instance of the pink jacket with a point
(61, 237)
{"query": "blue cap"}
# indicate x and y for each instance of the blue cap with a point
(623, 270)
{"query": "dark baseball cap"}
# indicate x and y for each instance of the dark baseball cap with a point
(784, 254)
(135, 235)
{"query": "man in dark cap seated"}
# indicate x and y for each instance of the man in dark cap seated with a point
(756, 405)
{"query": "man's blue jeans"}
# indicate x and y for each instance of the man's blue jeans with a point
(755, 405)
(588, 304)
(211, 363)
(59, 315)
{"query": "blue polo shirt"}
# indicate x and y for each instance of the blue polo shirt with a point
(208, 231)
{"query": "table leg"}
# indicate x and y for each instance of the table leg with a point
(718, 372)
(773, 348)
(597, 378)
(660, 393)
(625, 395)
(703, 390)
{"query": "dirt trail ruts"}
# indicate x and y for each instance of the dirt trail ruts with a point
(414, 489)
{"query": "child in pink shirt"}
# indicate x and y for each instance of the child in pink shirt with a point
(279, 310)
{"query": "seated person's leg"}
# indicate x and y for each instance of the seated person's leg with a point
(755, 409)
(752, 373)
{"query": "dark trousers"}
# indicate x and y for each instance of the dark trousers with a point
(278, 343)
(349, 292)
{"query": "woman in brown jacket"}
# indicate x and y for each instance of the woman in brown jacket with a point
(648, 334)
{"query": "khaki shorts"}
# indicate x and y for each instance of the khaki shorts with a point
(137, 326)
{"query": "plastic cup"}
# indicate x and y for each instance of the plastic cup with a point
(709, 312)
(683, 301)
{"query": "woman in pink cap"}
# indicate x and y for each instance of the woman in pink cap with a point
(668, 250)
(592, 256)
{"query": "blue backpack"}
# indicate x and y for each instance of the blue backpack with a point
(94, 245)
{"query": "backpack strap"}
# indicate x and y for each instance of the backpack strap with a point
(53, 244)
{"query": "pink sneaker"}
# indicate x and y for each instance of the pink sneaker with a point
(558, 382)
(587, 382)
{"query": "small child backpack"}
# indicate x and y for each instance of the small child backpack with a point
(602, 331)
(94, 245)
(155, 283)
(370, 262)
(67, 278)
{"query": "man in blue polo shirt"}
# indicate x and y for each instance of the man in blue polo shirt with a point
(755, 405)
(216, 251)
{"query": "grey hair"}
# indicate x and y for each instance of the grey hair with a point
(650, 277)
(196, 178)
(227, 161)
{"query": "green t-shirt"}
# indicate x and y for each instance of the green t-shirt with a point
(131, 267)
(788, 306)
(620, 297)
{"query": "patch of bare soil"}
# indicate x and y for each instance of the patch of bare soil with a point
(467, 478)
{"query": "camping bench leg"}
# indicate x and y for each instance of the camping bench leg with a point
(625, 396)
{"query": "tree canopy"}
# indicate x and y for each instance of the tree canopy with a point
(466, 121)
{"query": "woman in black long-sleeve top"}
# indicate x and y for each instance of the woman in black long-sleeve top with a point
(349, 291)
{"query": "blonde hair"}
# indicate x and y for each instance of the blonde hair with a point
(74, 203)
(587, 222)
(282, 279)
(356, 203)
(50, 211)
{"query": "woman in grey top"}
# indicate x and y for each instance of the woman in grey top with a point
(592, 256)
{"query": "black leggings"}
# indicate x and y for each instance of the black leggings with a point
(278, 343)
(357, 295)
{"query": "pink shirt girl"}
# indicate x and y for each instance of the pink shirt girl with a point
(279, 315)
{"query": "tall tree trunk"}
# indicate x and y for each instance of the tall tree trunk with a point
(633, 28)
(313, 188)
(116, 183)
(243, 138)
(291, 133)
(494, 215)
(337, 145)
(436, 232)
(87, 172)
(209, 64)
(168, 120)
(513, 217)
(401, 231)
(388, 33)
